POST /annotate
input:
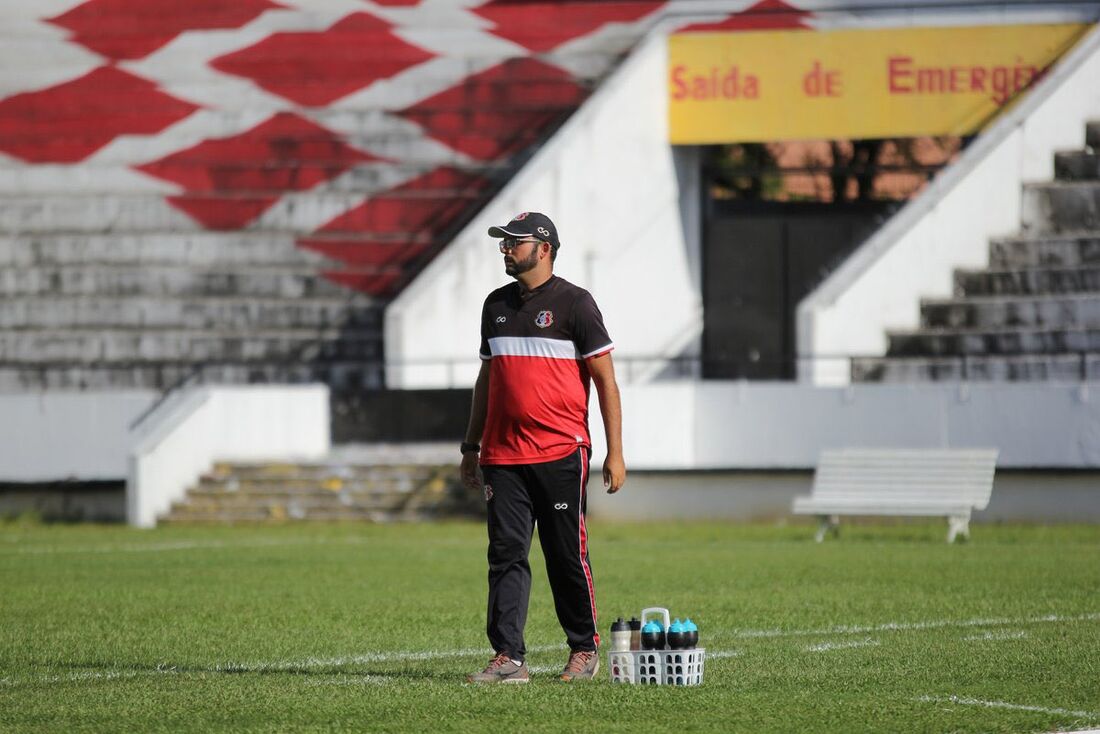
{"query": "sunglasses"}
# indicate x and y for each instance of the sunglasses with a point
(511, 243)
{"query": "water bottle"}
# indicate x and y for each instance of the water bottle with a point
(653, 636)
(691, 634)
(676, 635)
(635, 633)
(620, 636)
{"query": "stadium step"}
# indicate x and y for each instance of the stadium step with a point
(1000, 312)
(938, 342)
(119, 280)
(231, 312)
(240, 178)
(1092, 134)
(1061, 205)
(1071, 368)
(145, 211)
(157, 248)
(39, 375)
(1077, 165)
(1027, 281)
(259, 493)
(1034, 313)
(269, 473)
(390, 140)
(186, 346)
(146, 183)
(1066, 250)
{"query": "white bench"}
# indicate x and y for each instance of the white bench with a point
(908, 482)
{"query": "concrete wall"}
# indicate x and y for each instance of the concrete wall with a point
(186, 435)
(608, 180)
(949, 225)
(784, 426)
(1018, 496)
(46, 437)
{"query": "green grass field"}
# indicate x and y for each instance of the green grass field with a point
(372, 628)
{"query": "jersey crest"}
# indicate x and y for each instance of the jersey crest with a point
(544, 319)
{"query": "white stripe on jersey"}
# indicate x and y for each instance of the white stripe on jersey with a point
(605, 348)
(533, 346)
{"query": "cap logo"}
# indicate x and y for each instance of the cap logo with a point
(520, 217)
(544, 231)
(544, 319)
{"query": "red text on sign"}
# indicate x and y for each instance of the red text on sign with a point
(1000, 82)
(821, 82)
(730, 83)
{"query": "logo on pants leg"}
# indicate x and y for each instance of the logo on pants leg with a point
(488, 492)
(561, 506)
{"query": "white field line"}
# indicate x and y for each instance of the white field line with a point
(179, 545)
(826, 646)
(718, 654)
(962, 701)
(287, 666)
(414, 655)
(378, 657)
(909, 626)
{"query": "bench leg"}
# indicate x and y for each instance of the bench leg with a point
(825, 524)
(958, 525)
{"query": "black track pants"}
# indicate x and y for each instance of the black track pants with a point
(553, 496)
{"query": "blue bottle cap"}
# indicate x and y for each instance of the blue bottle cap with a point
(690, 626)
(653, 626)
(677, 626)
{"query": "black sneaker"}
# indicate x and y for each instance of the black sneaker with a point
(501, 669)
(582, 665)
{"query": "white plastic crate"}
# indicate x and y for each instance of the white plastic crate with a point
(657, 667)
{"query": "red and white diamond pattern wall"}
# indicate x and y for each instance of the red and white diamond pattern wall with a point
(368, 129)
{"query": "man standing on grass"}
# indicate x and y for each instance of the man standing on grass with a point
(542, 338)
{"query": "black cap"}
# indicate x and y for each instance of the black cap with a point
(619, 625)
(531, 224)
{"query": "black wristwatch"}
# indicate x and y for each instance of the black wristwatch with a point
(468, 447)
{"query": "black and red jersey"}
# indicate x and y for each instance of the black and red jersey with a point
(538, 342)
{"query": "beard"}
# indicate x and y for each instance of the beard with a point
(519, 267)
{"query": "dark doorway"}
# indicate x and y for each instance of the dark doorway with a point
(760, 258)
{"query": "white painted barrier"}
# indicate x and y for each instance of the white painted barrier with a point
(784, 426)
(186, 435)
(949, 225)
(66, 435)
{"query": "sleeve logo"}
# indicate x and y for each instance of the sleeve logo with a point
(544, 319)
